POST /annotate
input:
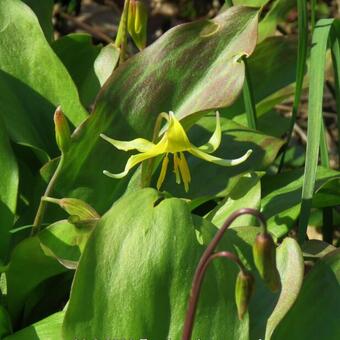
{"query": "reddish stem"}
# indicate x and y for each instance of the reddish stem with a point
(205, 260)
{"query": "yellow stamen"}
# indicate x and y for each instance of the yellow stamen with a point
(163, 171)
(176, 169)
(185, 172)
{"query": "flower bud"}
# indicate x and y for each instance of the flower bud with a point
(78, 209)
(243, 292)
(62, 130)
(137, 22)
(264, 253)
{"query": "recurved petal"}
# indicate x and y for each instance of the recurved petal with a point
(140, 144)
(216, 160)
(215, 140)
(132, 161)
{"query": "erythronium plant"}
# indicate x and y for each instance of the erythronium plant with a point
(174, 141)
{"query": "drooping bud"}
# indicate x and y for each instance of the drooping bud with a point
(137, 23)
(62, 130)
(78, 209)
(264, 253)
(243, 291)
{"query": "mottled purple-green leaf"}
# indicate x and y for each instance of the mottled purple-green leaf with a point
(193, 67)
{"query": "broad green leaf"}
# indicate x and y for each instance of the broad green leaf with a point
(269, 83)
(236, 140)
(320, 295)
(33, 81)
(78, 55)
(281, 197)
(43, 10)
(291, 268)
(106, 62)
(46, 329)
(246, 194)
(9, 182)
(65, 241)
(28, 267)
(134, 277)
(160, 78)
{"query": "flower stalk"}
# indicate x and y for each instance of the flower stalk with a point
(206, 259)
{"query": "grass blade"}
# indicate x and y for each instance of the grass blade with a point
(317, 77)
(300, 70)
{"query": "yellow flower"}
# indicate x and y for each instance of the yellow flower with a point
(176, 142)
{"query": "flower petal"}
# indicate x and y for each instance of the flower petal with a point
(132, 161)
(215, 140)
(163, 171)
(140, 144)
(175, 136)
(216, 160)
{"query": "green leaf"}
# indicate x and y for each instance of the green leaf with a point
(135, 276)
(32, 80)
(106, 62)
(9, 182)
(65, 242)
(270, 83)
(43, 10)
(315, 249)
(46, 329)
(291, 268)
(78, 55)
(245, 194)
(29, 267)
(320, 294)
(275, 15)
(161, 78)
(5, 322)
(281, 197)
(315, 101)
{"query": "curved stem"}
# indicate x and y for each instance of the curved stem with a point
(207, 257)
(42, 205)
(199, 276)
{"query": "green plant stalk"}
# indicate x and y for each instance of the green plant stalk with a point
(300, 70)
(317, 77)
(313, 14)
(121, 39)
(42, 205)
(248, 97)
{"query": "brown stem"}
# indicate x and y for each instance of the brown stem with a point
(205, 260)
